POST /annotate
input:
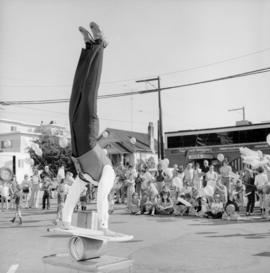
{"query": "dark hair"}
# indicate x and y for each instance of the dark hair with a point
(260, 169)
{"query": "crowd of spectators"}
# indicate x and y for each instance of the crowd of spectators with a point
(193, 190)
(209, 191)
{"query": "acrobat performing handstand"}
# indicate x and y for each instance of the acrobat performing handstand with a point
(91, 162)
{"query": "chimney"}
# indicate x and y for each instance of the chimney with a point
(151, 136)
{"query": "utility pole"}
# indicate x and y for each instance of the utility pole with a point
(160, 127)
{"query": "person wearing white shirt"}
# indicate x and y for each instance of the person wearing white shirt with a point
(260, 181)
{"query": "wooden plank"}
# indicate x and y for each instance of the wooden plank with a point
(94, 234)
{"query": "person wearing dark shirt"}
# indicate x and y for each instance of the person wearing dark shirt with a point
(248, 181)
(205, 169)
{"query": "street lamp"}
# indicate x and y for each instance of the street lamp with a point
(160, 123)
(237, 109)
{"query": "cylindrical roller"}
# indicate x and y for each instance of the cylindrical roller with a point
(82, 248)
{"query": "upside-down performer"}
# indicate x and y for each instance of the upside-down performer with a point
(91, 161)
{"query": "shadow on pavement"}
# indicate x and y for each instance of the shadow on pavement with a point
(56, 236)
(245, 235)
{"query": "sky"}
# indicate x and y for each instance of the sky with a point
(182, 41)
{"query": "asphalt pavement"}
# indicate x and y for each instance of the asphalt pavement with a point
(161, 243)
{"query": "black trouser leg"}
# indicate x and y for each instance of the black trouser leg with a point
(84, 123)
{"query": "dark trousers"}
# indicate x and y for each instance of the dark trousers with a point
(251, 202)
(46, 198)
(84, 122)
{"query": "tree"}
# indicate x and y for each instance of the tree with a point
(46, 150)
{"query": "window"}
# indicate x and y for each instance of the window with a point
(13, 128)
(223, 138)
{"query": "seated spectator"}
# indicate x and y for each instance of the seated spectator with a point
(202, 207)
(232, 201)
(216, 208)
(135, 204)
(230, 213)
(181, 207)
(146, 206)
(221, 190)
(165, 204)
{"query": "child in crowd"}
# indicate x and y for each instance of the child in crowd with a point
(238, 192)
(230, 213)
(202, 207)
(216, 208)
(18, 199)
(165, 204)
(221, 190)
(5, 192)
(60, 200)
(181, 206)
(46, 187)
(26, 188)
(135, 204)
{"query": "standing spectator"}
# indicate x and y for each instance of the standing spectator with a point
(60, 173)
(26, 189)
(35, 189)
(60, 200)
(160, 177)
(48, 175)
(138, 183)
(5, 191)
(225, 171)
(211, 179)
(205, 170)
(147, 177)
(130, 181)
(260, 182)
(248, 181)
(18, 200)
(46, 187)
(189, 173)
(177, 181)
(197, 176)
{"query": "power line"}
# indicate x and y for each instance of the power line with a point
(65, 114)
(239, 75)
(134, 79)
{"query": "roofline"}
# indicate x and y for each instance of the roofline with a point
(29, 124)
(226, 128)
(20, 133)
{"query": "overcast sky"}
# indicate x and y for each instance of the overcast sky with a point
(182, 41)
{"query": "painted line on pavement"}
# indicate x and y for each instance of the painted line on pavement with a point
(13, 268)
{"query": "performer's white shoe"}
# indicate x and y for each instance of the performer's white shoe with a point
(87, 37)
(97, 33)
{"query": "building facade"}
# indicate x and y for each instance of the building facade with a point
(197, 145)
